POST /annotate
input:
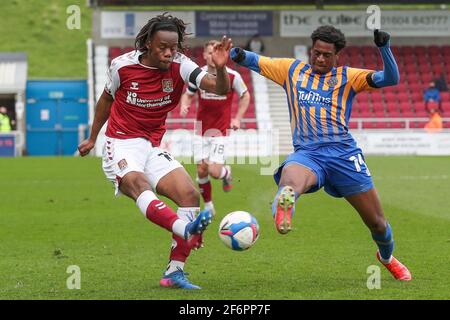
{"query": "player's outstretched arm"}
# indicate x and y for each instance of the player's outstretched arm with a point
(390, 75)
(102, 112)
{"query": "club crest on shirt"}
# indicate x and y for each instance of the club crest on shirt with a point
(134, 86)
(300, 78)
(122, 164)
(332, 82)
(167, 85)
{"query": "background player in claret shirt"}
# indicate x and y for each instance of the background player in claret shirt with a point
(144, 85)
(320, 96)
(214, 116)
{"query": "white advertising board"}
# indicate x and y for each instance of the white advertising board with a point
(404, 143)
(411, 23)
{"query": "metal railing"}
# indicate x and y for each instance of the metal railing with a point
(407, 121)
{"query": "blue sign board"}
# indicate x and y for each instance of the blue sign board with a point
(233, 23)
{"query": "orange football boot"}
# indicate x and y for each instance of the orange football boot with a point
(396, 268)
(285, 206)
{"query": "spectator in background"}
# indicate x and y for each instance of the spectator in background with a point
(5, 121)
(441, 83)
(435, 123)
(432, 99)
(255, 44)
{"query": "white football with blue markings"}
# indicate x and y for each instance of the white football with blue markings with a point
(239, 230)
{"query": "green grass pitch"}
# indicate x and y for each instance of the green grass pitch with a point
(57, 212)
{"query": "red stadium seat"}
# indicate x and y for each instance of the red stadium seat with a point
(383, 125)
(424, 68)
(364, 107)
(419, 106)
(417, 87)
(445, 105)
(366, 114)
(446, 124)
(403, 97)
(406, 50)
(417, 124)
(376, 96)
(423, 60)
(405, 106)
(427, 78)
(445, 113)
(416, 96)
(392, 106)
(370, 66)
(402, 87)
(409, 60)
(409, 114)
(397, 125)
(114, 52)
(355, 61)
(363, 97)
(422, 114)
(437, 70)
(413, 78)
(436, 60)
(353, 125)
(420, 50)
(446, 65)
(393, 113)
(379, 114)
(369, 125)
(390, 97)
(446, 49)
(395, 50)
(353, 50)
(434, 49)
(355, 113)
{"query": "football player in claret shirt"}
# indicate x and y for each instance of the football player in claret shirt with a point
(144, 85)
(319, 96)
(214, 119)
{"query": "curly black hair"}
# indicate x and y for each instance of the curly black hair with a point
(164, 22)
(329, 34)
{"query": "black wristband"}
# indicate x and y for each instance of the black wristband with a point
(240, 55)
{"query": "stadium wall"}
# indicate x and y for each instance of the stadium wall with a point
(276, 45)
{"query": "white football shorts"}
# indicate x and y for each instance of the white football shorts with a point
(210, 149)
(121, 156)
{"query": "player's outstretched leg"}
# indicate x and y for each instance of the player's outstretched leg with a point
(369, 208)
(283, 208)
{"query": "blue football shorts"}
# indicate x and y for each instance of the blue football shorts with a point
(340, 169)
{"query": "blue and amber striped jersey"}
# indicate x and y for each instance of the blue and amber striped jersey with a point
(319, 104)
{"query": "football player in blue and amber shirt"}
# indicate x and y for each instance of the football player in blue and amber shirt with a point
(319, 97)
